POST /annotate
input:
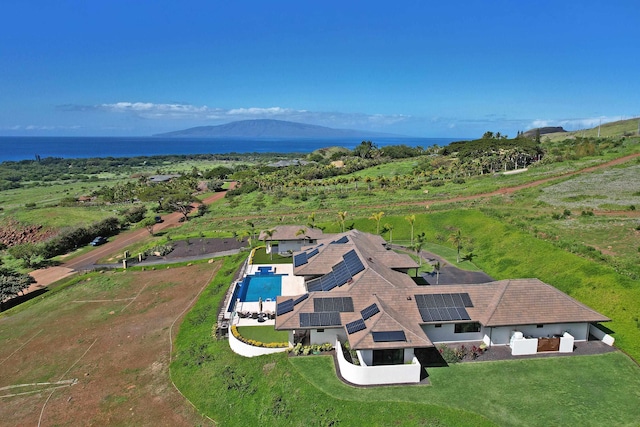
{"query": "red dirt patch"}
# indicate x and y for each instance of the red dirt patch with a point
(112, 335)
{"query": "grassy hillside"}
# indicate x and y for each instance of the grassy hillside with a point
(619, 128)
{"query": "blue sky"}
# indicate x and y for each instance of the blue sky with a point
(430, 69)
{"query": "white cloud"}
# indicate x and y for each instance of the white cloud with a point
(178, 111)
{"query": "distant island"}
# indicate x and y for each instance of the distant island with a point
(266, 128)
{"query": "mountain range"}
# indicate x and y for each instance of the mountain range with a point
(266, 128)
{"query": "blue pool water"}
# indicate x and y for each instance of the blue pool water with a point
(262, 286)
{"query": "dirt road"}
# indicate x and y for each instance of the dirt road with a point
(47, 276)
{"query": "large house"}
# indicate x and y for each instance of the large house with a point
(361, 293)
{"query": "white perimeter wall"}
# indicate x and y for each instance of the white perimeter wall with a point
(247, 350)
(377, 375)
(501, 335)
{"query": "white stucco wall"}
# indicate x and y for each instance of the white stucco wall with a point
(501, 335)
(446, 333)
(601, 335)
(328, 335)
(247, 350)
(377, 375)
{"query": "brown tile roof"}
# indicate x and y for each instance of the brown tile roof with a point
(499, 303)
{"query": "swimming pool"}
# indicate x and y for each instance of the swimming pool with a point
(262, 286)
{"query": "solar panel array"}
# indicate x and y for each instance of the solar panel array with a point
(313, 253)
(340, 304)
(342, 240)
(300, 299)
(340, 273)
(284, 307)
(354, 265)
(320, 319)
(389, 336)
(355, 326)
(370, 311)
(443, 307)
(300, 259)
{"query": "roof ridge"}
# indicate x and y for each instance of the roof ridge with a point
(495, 302)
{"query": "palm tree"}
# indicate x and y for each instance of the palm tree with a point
(341, 218)
(456, 238)
(302, 232)
(411, 219)
(268, 234)
(243, 234)
(377, 217)
(312, 220)
(437, 267)
(418, 248)
(389, 227)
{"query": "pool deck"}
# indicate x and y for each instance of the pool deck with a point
(291, 285)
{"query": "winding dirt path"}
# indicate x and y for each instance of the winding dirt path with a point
(47, 276)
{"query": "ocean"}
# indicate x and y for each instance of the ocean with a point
(27, 148)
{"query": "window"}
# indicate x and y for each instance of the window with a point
(539, 326)
(388, 357)
(319, 330)
(464, 328)
(438, 325)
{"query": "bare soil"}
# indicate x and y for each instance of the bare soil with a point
(111, 339)
(193, 248)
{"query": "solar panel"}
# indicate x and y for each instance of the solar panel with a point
(443, 300)
(370, 311)
(319, 319)
(300, 299)
(388, 336)
(448, 300)
(284, 307)
(313, 253)
(328, 282)
(355, 326)
(457, 300)
(314, 285)
(305, 320)
(337, 304)
(341, 273)
(466, 299)
(341, 240)
(430, 301)
(425, 314)
(300, 259)
(463, 313)
(353, 263)
(348, 304)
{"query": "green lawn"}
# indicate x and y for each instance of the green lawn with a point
(278, 390)
(265, 334)
(262, 257)
(578, 390)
